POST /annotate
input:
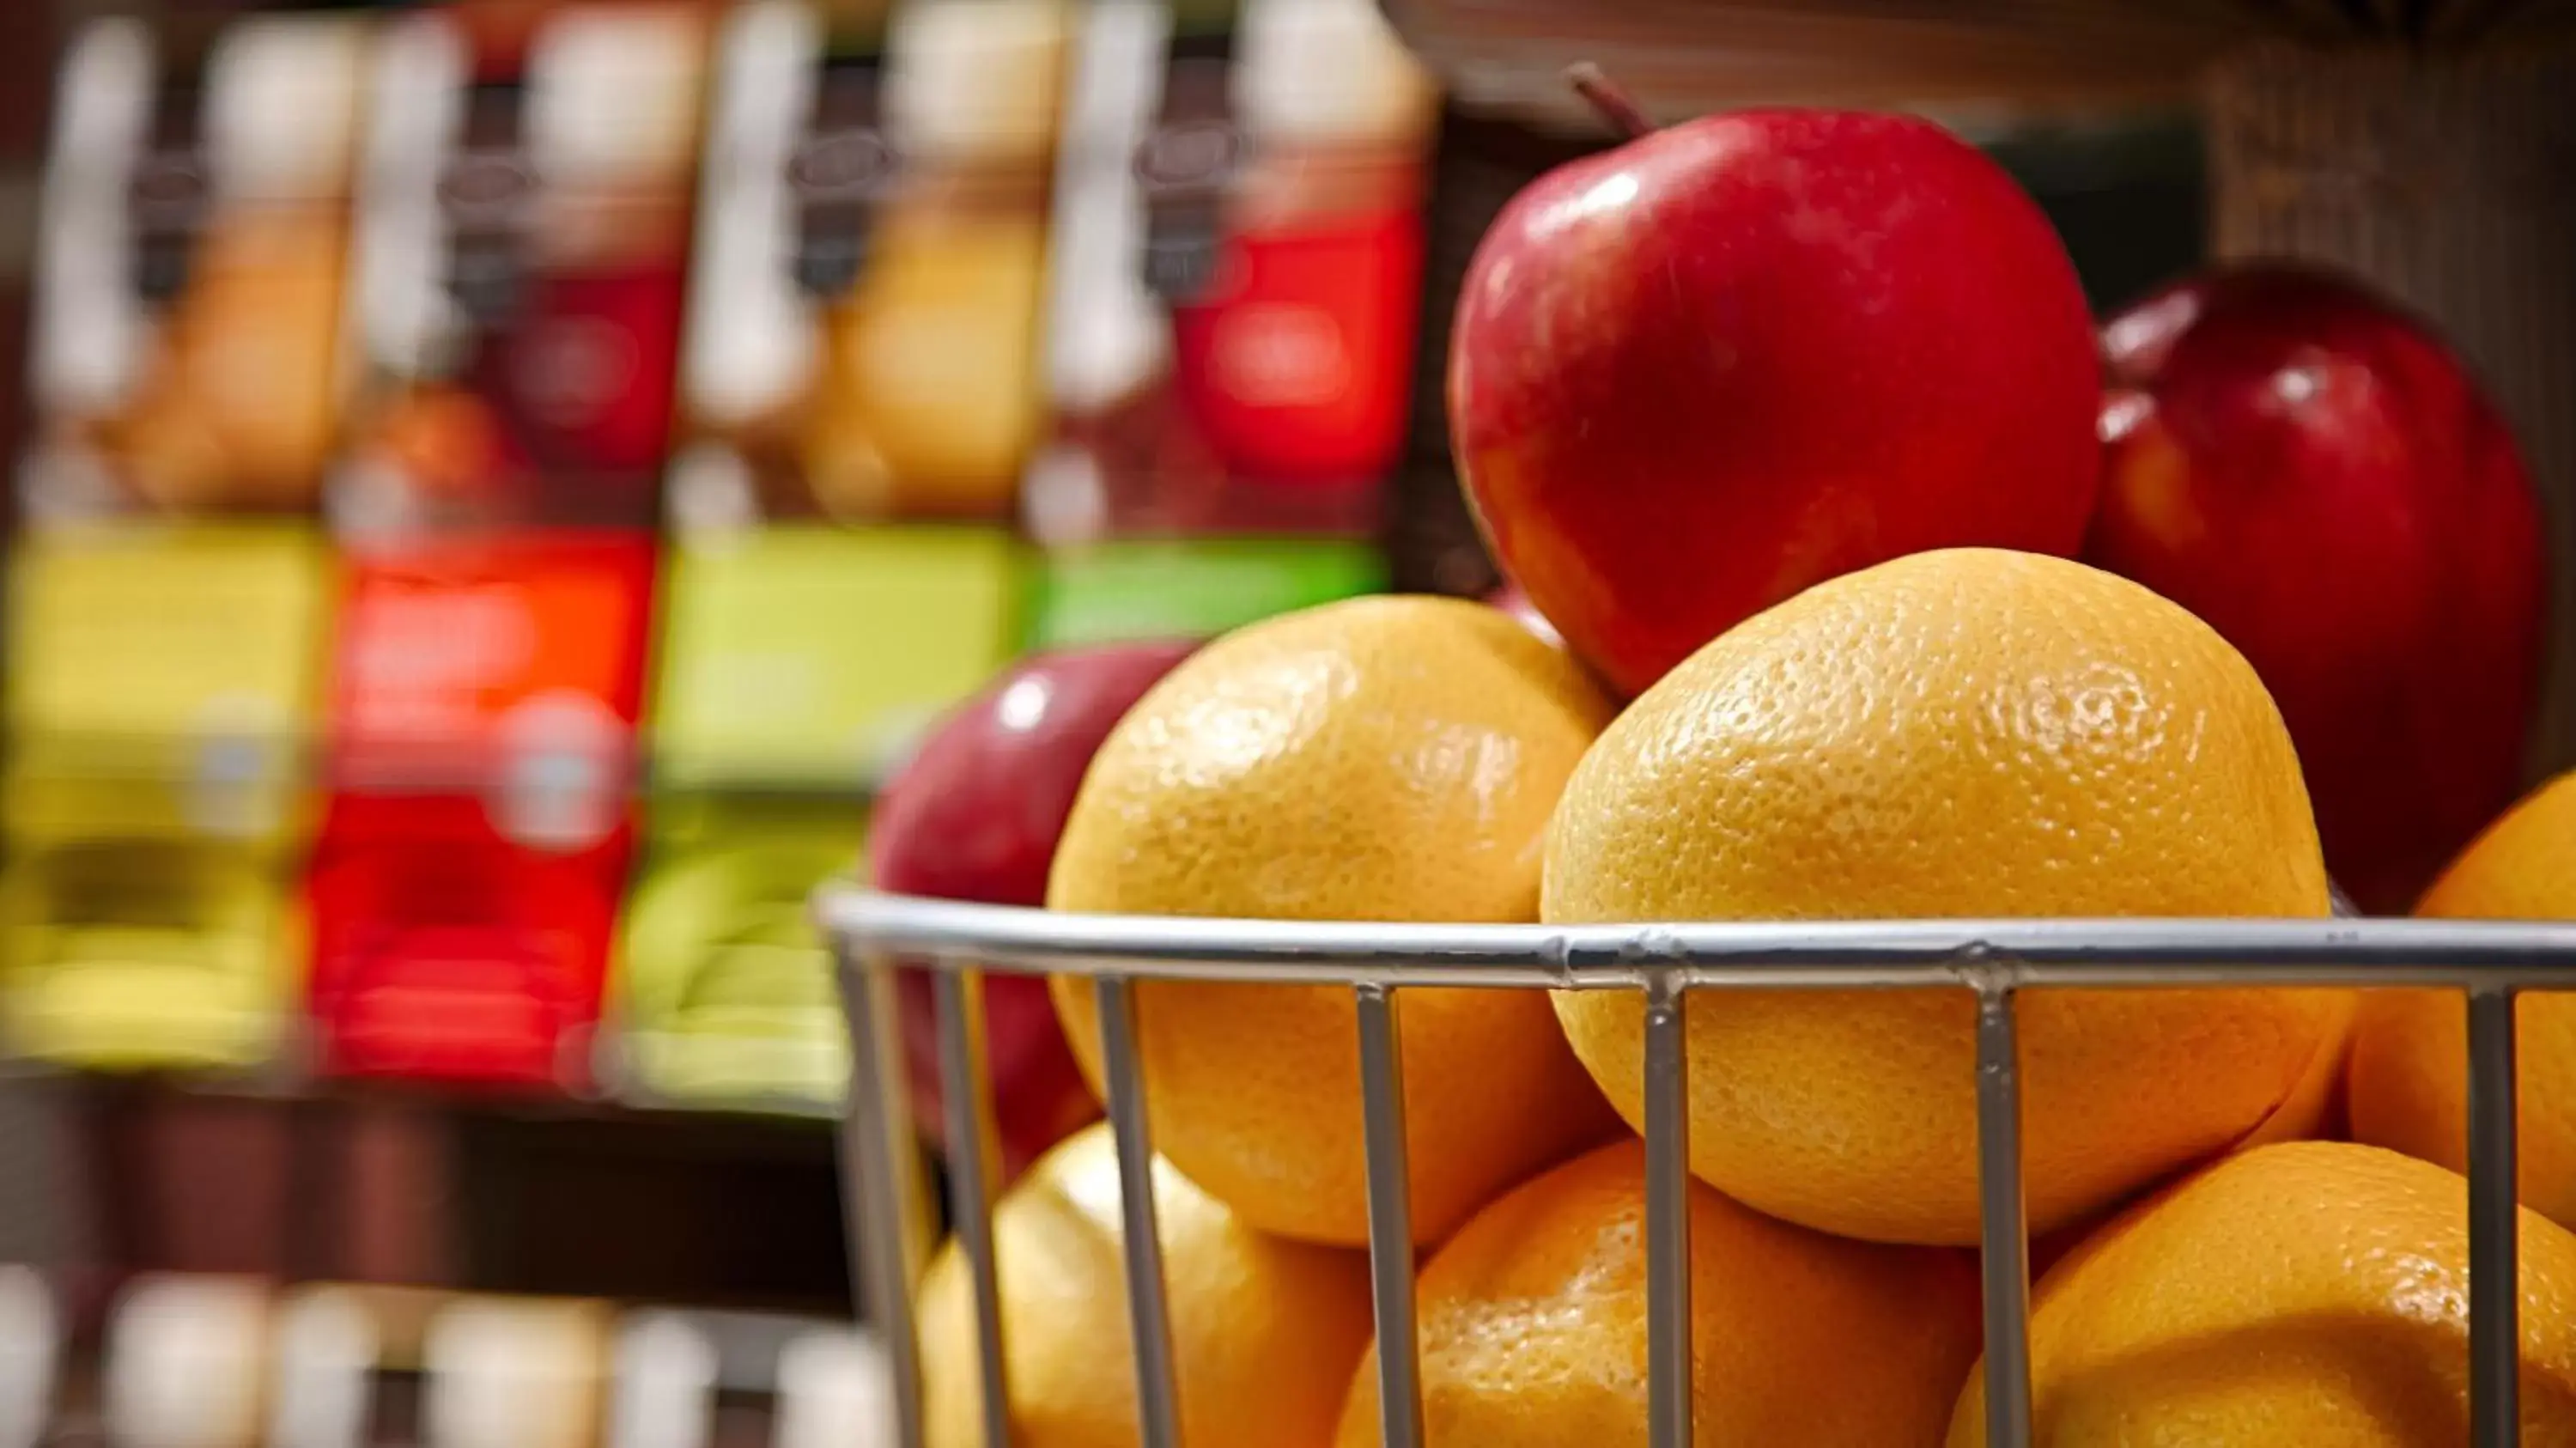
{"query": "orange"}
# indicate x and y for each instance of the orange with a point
(2408, 1080)
(1960, 733)
(2295, 1295)
(1375, 759)
(1533, 1326)
(1264, 1331)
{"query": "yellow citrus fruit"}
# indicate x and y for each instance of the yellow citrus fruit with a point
(1375, 759)
(2299, 1294)
(1958, 733)
(2408, 1082)
(1264, 1331)
(1533, 1326)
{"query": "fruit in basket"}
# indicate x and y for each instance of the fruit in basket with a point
(1698, 373)
(2408, 1079)
(2313, 472)
(974, 815)
(1264, 1330)
(2313, 1292)
(1386, 758)
(1533, 1326)
(1969, 732)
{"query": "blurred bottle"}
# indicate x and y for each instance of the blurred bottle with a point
(30, 1355)
(189, 351)
(515, 1373)
(1295, 357)
(524, 237)
(187, 1363)
(1236, 277)
(928, 399)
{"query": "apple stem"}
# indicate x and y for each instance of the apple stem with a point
(1608, 100)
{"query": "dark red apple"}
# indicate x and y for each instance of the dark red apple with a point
(1698, 373)
(2310, 469)
(974, 815)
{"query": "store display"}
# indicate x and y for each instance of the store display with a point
(161, 703)
(1236, 281)
(31, 1341)
(521, 491)
(186, 1363)
(476, 839)
(521, 270)
(2314, 472)
(188, 348)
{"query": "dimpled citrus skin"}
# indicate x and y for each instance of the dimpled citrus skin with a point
(1533, 1326)
(1386, 758)
(1264, 1331)
(2305, 1295)
(2408, 1081)
(1959, 733)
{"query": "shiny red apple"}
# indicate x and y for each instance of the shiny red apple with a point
(1700, 372)
(974, 815)
(2309, 468)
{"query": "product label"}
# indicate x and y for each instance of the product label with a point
(187, 351)
(506, 668)
(163, 680)
(521, 272)
(1193, 588)
(872, 264)
(1237, 257)
(815, 656)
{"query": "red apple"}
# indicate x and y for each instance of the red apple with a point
(1700, 372)
(974, 815)
(2311, 470)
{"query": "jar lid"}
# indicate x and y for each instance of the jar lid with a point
(975, 79)
(1325, 72)
(613, 93)
(282, 107)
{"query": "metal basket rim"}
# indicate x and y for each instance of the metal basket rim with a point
(1983, 954)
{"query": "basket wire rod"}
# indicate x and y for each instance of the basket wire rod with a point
(2001, 1231)
(1668, 1276)
(1813, 955)
(966, 1098)
(879, 1188)
(1390, 1219)
(2495, 1336)
(1158, 1415)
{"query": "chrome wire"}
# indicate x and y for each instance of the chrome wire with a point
(1814, 955)
(880, 1189)
(1149, 1315)
(1668, 1268)
(966, 1094)
(2003, 1242)
(1996, 959)
(1390, 1219)
(2495, 1296)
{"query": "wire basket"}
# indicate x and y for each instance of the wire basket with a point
(872, 933)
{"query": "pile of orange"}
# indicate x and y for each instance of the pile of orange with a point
(1964, 733)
